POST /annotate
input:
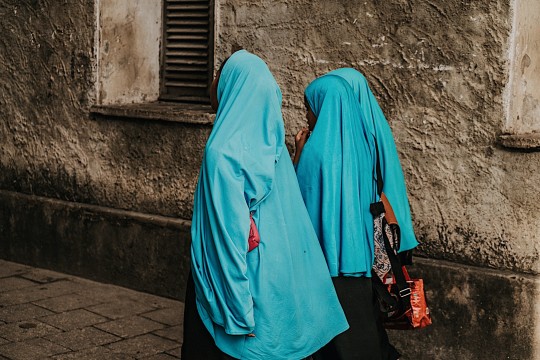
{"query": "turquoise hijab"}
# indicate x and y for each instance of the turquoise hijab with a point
(394, 181)
(335, 173)
(281, 291)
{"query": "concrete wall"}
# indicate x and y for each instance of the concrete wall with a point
(52, 145)
(438, 68)
(139, 251)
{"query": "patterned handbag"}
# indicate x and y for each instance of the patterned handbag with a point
(402, 301)
(384, 221)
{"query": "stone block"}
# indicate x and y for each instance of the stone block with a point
(177, 352)
(175, 333)
(66, 302)
(81, 339)
(22, 312)
(75, 319)
(118, 310)
(169, 316)
(24, 330)
(95, 353)
(13, 283)
(35, 293)
(145, 345)
(161, 357)
(130, 326)
(31, 349)
(43, 276)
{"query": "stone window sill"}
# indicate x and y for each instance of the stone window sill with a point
(161, 111)
(525, 142)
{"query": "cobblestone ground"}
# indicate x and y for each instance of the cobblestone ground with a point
(49, 315)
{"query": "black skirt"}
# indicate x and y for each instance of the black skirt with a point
(366, 338)
(198, 344)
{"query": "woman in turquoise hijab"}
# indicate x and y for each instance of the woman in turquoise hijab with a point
(276, 301)
(335, 171)
(394, 182)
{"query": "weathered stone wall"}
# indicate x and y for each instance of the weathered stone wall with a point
(126, 248)
(50, 144)
(439, 69)
(478, 314)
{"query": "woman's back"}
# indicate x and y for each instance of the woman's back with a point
(394, 182)
(335, 173)
(281, 291)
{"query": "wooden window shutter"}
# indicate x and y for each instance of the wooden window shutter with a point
(187, 63)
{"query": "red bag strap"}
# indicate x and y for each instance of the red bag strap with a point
(406, 273)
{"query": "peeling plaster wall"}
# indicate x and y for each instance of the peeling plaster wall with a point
(439, 69)
(524, 85)
(129, 43)
(51, 145)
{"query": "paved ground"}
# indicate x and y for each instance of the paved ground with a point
(48, 315)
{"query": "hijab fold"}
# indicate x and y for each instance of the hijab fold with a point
(335, 173)
(237, 174)
(281, 291)
(394, 182)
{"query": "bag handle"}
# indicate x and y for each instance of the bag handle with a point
(398, 271)
(397, 268)
(391, 303)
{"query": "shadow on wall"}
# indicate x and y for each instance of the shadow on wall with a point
(477, 314)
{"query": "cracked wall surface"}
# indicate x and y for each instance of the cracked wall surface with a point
(53, 147)
(438, 68)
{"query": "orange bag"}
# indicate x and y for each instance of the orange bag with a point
(415, 314)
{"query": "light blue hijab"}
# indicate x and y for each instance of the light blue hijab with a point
(281, 291)
(394, 181)
(335, 173)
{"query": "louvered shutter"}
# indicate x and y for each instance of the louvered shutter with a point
(187, 50)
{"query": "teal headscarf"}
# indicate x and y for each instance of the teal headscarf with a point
(281, 291)
(335, 173)
(394, 181)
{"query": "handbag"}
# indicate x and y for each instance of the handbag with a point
(401, 315)
(402, 300)
(254, 238)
